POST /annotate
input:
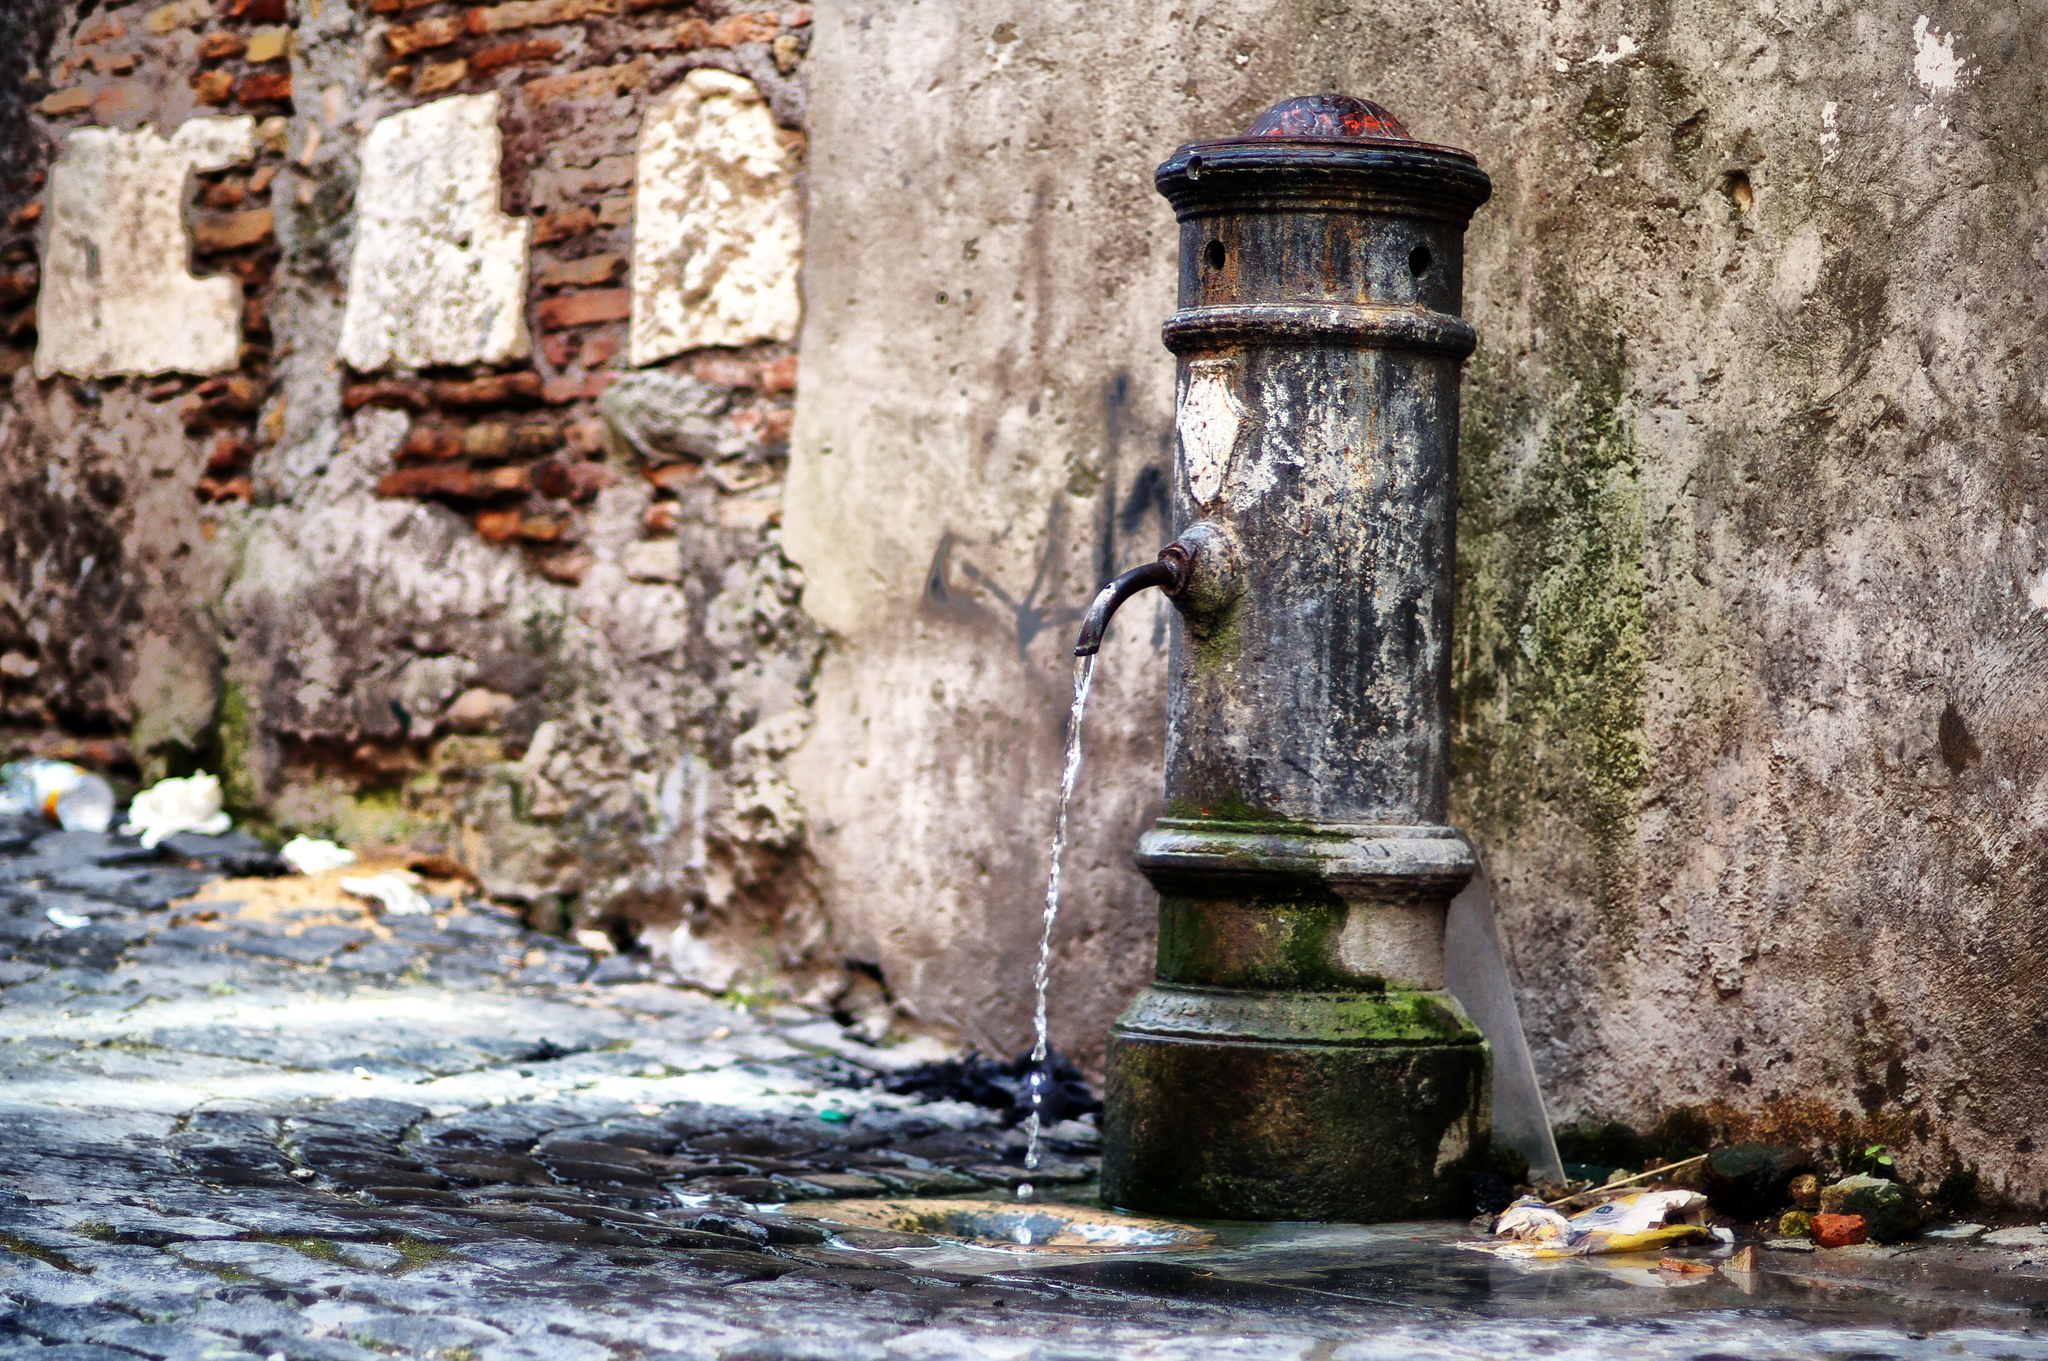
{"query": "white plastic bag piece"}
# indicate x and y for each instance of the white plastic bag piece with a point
(310, 856)
(173, 806)
(396, 890)
(70, 921)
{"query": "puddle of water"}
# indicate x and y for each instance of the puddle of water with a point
(1009, 1228)
(1041, 1049)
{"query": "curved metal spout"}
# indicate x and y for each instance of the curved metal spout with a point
(1167, 574)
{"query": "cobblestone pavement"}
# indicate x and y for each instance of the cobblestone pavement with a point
(275, 1125)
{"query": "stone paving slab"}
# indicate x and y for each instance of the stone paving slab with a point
(231, 1129)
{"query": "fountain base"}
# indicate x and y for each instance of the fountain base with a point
(1352, 1129)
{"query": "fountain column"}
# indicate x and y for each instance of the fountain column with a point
(1297, 1056)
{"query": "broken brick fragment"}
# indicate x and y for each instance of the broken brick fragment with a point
(1839, 1231)
(661, 517)
(585, 309)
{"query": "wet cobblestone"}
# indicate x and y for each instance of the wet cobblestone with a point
(313, 1134)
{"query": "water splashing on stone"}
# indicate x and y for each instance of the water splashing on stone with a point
(1041, 1050)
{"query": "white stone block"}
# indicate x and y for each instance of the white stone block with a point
(117, 296)
(439, 273)
(717, 229)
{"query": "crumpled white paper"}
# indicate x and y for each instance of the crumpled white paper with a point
(396, 890)
(310, 856)
(172, 806)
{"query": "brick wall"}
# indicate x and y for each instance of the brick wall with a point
(312, 473)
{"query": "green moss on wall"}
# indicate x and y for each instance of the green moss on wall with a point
(1549, 680)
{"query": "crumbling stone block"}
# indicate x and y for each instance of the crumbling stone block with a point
(717, 231)
(117, 296)
(439, 272)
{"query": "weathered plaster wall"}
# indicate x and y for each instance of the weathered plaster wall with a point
(1754, 587)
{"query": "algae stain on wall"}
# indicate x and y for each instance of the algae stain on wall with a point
(1549, 676)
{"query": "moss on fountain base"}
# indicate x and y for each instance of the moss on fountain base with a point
(1319, 1118)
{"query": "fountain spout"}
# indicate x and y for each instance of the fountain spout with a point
(1167, 573)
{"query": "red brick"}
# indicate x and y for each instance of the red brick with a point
(219, 44)
(1839, 1231)
(558, 391)
(513, 54)
(569, 568)
(397, 6)
(599, 348)
(599, 82)
(497, 526)
(661, 517)
(724, 371)
(254, 11)
(391, 392)
(531, 13)
(499, 389)
(405, 39)
(496, 439)
(106, 31)
(17, 287)
(436, 76)
(229, 452)
(64, 101)
(29, 213)
(431, 439)
(799, 16)
(558, 350)
(231, 231)
(226, 194)
(431, 480)
(567, 481)
(264, 87)
(587, 272)
(541, 529)
(118, 100)
(779, 375)
(234, 392)
(674, 476)
(735, 29)
(585, 309)
(776, 423)
(491, 481)
(226, 489)
(574, 222)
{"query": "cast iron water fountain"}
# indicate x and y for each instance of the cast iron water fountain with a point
(1297, 1056)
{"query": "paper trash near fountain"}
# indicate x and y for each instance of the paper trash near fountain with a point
(1297, 1056)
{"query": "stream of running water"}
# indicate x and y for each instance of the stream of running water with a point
(1040, 1073)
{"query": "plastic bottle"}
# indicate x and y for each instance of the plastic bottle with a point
(75, 799)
